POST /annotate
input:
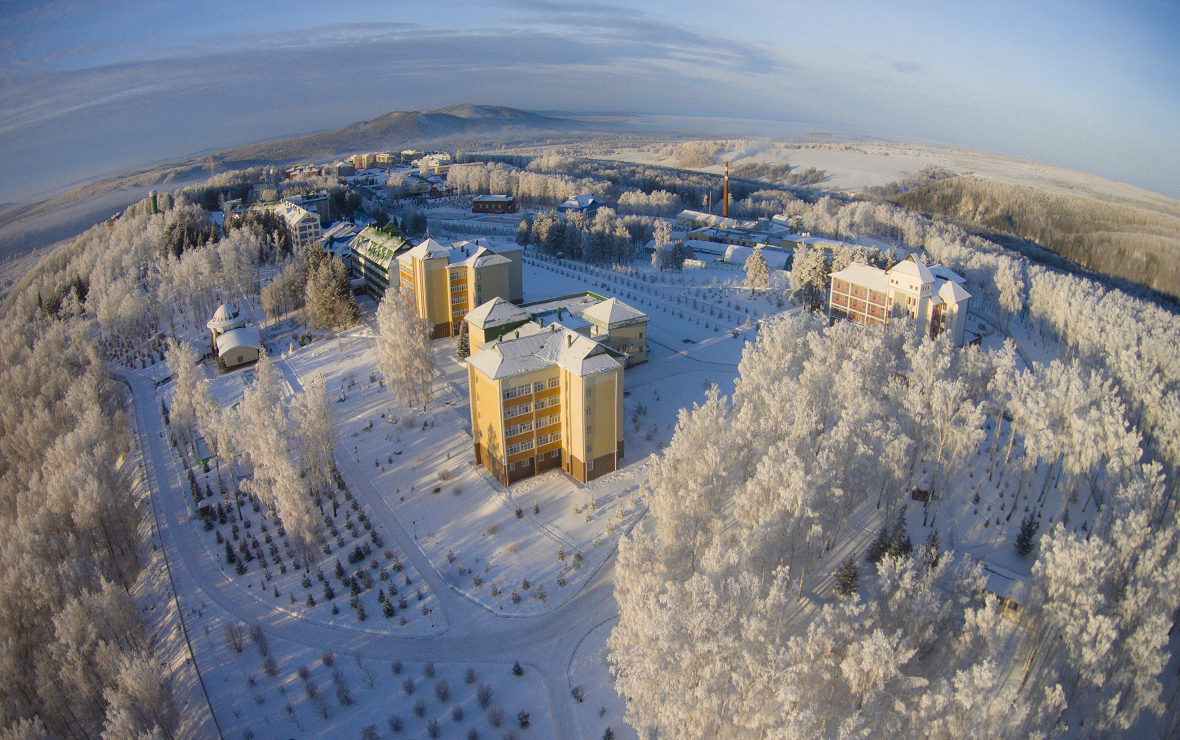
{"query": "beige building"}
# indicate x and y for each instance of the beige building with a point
(234, 343)
(304, 224)
(930, 298)
(544, 397)
(620, 327)
(492, 320)
(447, 282)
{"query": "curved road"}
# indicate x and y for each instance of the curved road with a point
(546, 643)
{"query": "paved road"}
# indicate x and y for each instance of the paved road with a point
(545, 643)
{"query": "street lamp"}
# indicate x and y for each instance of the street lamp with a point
(415, 529)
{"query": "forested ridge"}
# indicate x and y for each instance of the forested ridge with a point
(1138, 244)
(75, 657)
(757, 491)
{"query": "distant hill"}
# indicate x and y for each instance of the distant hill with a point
(31, 226)
(1136, 242)
(397, 130)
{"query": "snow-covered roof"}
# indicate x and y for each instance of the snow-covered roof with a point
(246, 336)
(613, 313)
(429, 249)
(861, 274)
(541, 348)
(484, 257)
(579, 203)
(377, 246)
(952, 292)
(492, 199)
(496, 312)
(944, 274)
(226, 317)
(914, 267)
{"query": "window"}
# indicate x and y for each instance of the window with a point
(548, 421)
(456, 276)
(514, 411)
(555, 453)
(458, 288)
(520, 390)
(511, 467)
(587, 393)
(554, 382)
(538, 386)
(587, 411)
(518, 429)
(457, 300)
(520, 447)
(589, 465)
(587, 429)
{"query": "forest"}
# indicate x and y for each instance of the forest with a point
(1125, 241)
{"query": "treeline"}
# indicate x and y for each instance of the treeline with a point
(1137, 244)
(76, 660)
(928, 174)
(601, 239)
(637, 188)
(754, 494)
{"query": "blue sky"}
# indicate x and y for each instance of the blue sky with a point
(90, 88)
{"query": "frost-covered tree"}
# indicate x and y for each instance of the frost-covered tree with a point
(182, 365)
(404, 354)
(809, 277)
(314, 422)
(757, 273)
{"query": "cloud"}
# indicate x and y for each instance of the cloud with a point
(908, 68)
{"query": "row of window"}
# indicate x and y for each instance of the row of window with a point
(520, 447)
(548, 421)
(514, 411)
(519, 429)
(460, 287)
(545, 402)
(517, 391)
(550, 438)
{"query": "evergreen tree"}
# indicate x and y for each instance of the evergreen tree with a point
(463, 342)
(899, 539)
(879, 547)
(847, 577)
(757, 273)
(1025, 538)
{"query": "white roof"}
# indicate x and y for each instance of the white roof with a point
(491, 199)
(944, 274)
(861, 274)
(555, 345)
(952, 292)
(613, 312)
(246, 336)
(225, 317)
(914, 267)
(496, 312)
(427, 249)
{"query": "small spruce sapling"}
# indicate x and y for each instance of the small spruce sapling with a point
(847, 577)
(1026, 537)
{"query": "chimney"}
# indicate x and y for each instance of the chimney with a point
(569, 340)
(725, 197)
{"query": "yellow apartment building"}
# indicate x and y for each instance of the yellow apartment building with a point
(544, 397)
(448, 282)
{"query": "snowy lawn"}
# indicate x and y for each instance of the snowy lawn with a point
(280, 689)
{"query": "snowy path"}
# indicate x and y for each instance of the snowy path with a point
(545, 643)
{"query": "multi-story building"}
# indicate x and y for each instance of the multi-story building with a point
(374, 254)
(304, 224)
(930, 298)
(620, 327)
(317, 203)
(363, 161)
(546, 397)
(448, 282)
(493, 204)
(611, 322)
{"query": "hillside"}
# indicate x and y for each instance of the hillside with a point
(1140, 244)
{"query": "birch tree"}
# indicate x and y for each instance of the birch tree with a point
(404, 353)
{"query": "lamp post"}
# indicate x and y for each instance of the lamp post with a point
(415, 522)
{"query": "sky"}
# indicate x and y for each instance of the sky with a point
(90, 88)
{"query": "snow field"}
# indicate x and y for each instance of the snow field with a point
(262, 691)
(597, 706)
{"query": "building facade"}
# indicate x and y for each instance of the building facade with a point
(493, 204)
(448, 282)
(544, 398)
(374, 253)
(304, 224)
(930, 298)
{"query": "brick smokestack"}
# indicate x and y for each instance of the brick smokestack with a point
(725, 196)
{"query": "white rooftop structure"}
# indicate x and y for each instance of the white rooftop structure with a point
(246, 336)
(613, 313)
(496, 312)
(225, 318)
(554, 345)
